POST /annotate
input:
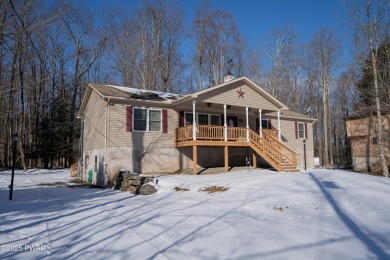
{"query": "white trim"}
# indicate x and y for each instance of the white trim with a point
(197, 117)
(260, 124)
(147, 119)
(224, 122)
(247, 81)
(279, 126)
(247, 123)
(194, 120)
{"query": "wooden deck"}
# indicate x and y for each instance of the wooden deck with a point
(280, 156)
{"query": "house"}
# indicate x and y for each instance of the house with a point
(362, 131)
(232, 124)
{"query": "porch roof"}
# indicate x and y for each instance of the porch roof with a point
(240, 92)
(292, 114)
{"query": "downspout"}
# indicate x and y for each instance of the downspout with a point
(105, 163)
(81, 161)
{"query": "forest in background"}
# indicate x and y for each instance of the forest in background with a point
(51, 50)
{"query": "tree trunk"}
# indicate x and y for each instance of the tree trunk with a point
(382, 159)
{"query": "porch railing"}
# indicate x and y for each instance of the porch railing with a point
(267, 149)
(271, 132)
(209, 132)
(183, 134)
(288, 153)
(236, 134)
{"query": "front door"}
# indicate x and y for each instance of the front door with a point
(232, 121)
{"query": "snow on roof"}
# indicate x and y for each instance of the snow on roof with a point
(147, 94)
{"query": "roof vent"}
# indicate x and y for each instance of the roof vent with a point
(228, 76)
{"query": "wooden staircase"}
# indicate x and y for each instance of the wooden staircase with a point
(280, 156)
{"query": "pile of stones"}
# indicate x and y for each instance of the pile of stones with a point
(126, 181)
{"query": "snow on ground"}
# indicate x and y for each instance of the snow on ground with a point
(318, 214)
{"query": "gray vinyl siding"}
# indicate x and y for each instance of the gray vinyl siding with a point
(94, 122)
(288, 138)
(147, 141)
(288, 133)
(228, 95)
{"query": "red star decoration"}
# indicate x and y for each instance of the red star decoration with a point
(240, 93)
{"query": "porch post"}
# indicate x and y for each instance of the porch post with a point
(194, 159)
(279, 126)
(254, 160)
(225, 123)
(247, 124)
(193, 121)
(226, 155)
(260, 125)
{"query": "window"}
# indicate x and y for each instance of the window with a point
(146, 119)
(189, 118)
(96, 163)
(264, 124)
(140, 118)
(154, 120)
(301, 130)
(202, 119)
(215, 120)
(374, 140)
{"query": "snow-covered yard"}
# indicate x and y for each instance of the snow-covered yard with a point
(318, 214)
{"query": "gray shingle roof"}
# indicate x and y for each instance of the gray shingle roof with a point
(368, 111)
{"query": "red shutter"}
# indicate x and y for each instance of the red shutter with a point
(306, 131)
(129, 119)
(296, 130)
(257, 124)
(165, 121)
(269, 124)
(181, 118)
(222, 123)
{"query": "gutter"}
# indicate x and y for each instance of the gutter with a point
(141, 101)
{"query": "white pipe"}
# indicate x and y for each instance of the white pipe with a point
(279, 126)
(225, 123)
(193, 121)
(247, 123)
(260, 124)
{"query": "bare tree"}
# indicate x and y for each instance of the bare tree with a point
(324, 50)
(371, 22)
(217, 42)
(342, 105)
(145, 44)
(278, 49)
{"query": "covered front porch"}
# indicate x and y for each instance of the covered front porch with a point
(232, 114)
